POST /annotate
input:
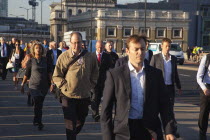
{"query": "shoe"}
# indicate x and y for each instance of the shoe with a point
(96, 118)
(35, 123)
(40, 126)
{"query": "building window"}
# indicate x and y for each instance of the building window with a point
(60, 15)
(206, 25)
(70, 12)
(59, 28)
(79, 11)
(160, 32)
(177, 33)
(127, 31)
(111, 31)
(89, 10)
(143, 32)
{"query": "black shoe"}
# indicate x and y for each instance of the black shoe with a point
(35, 123)
(40, 126)
(96, 118)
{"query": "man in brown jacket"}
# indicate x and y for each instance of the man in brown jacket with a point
(75, 86)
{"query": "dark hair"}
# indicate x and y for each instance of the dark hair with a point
(77, 33)
(17, 41)
(166, 40)
(135, 39)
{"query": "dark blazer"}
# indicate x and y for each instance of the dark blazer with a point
(150, 55)
(121, 61)
(50, 56)
(158, 62)
(8, 50)
(117, 92)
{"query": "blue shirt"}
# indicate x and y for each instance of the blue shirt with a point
(54, 56)
(5, 50)
(137, 95)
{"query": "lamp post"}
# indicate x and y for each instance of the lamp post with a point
(41, 14)
(26, 10)
(145, 15)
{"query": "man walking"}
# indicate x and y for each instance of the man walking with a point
(104, 63)
(137, 92)
(203, 79)
(167, 63)
(75, 82)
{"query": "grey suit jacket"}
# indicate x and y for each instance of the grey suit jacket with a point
(158, 62)
(117, 92)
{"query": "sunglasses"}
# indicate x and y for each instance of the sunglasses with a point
(17, 44)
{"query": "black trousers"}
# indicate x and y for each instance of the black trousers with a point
(38, 105)
(3, 62)
(204, 113)
(138, 131)
(75, 111)
(96, 99)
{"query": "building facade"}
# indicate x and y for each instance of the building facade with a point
(3, 8)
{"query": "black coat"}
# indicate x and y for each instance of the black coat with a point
(158, 62)
(50, 56)
(8, 50)
(117, 92)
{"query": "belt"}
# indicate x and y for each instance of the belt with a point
(169, 85)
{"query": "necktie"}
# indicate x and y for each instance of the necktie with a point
(99, 58)
(3, 50)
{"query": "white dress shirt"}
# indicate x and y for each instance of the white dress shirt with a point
(137, 94)
(201, 70)
(63, 50)
(167, 70)
(98, 53)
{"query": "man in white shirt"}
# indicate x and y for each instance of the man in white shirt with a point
(203, 79)
(168, 64)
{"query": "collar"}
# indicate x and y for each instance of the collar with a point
(73, 54)
(165, 57)
(98, 53)
(132, 69)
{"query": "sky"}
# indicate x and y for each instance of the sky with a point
(15, 11)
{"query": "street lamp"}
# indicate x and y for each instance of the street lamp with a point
(145, 15)
(26, 10)
(16, 15)
(41, 14)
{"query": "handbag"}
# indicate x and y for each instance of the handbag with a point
(21, 73)
(10, 65)
(56, 90)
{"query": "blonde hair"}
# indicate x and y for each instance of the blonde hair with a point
(32, 52)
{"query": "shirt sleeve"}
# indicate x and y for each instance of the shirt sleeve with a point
(200, 73)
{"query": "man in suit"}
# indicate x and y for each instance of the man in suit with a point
(104, 63)
(113, 55)
(137, 92)
(167, 63)
(53, 54)
(4, 57)
(149, 53)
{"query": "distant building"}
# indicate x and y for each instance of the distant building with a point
(3, 8)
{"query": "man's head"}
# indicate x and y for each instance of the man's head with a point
(147, 44)
(45, 42)
(61, 45)
(13, 40)
(135, 48)
(76, 42)
(2, 39)
(53, 45)
(108, 46)
(99, 46)
(166, 45)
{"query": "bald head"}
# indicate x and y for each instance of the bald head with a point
(99, 46)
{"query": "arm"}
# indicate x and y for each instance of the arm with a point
(94, 72)
(107, 106)
(177, 81)
(200, 73)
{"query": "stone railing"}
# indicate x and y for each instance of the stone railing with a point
(124, 13)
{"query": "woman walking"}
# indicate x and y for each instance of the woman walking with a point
(16, 57)
(40, 73)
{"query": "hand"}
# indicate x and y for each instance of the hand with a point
(22, 89)
(170, 137)
(179, 91)
(10, 61)
(206, 92)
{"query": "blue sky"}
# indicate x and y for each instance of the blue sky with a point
(14, 9)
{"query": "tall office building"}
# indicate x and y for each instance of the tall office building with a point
(3, 8)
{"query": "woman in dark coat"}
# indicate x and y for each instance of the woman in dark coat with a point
(16, 56)
(40, 73)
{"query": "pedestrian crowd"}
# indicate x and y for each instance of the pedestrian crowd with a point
(139, 87)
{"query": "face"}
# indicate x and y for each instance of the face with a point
(38, 49)
(166, 47)
(147, 45)
(17, 44)
(53, 45)
(2, 41)
(136, 52)
(61, 44)
(45, 42)
(99, 47)
(108, 47)
(76, 43)
(13, 40)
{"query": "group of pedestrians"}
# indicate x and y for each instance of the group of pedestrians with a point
(139, 87)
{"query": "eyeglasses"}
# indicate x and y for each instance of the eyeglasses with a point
(17, 44)
(74, 43)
